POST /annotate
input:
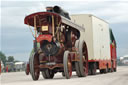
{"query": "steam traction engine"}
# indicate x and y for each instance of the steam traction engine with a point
(60, 46)
(57, 47)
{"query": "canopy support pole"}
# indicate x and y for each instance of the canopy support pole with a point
(35, 27)
(53, 27)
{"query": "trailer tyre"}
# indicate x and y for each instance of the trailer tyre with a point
(101, 71)
(105, 70)
(93, 69)
(112, 69)
(67, 65)
(115, 69)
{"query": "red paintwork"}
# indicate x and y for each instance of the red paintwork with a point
(102, 63)
(40, 16)
(107, 63)
(113, 54)
(44, 37)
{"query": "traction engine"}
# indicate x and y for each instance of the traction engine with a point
(57, 47)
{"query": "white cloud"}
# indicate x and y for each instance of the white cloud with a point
(113, 12)
(65, 0)
(116, 13)
(13, 14)
(122, 51)
(119, 19)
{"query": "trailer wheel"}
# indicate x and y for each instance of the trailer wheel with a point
(83, 63)
(34, 66)
(77, 63)
(115, 69)
(105, 70)
(48, 74)
(67, 65)
(112, 69)
(93, 69)
(101, 71)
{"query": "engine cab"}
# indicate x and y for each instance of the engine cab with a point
(53, 35)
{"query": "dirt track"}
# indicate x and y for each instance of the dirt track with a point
(116, 78)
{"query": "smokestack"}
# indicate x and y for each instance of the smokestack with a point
(60, 11)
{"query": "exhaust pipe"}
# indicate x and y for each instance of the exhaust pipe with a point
(60, 11)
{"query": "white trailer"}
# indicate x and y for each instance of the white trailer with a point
(97, 38)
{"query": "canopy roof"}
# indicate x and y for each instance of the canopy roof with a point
(40, 17)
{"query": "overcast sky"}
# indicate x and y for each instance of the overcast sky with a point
(16, 39)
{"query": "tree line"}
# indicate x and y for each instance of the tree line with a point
(5, 59)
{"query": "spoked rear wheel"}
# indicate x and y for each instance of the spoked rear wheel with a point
(34, 66)
(83, 63)
(67, 65)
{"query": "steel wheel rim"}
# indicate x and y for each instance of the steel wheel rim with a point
(67, 65)
(36, 67)
(83, 63)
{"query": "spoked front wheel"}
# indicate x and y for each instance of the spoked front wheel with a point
(34, 66)
(67, 65)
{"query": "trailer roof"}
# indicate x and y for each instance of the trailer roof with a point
(90, 16)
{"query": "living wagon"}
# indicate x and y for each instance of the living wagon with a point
(101, 44)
